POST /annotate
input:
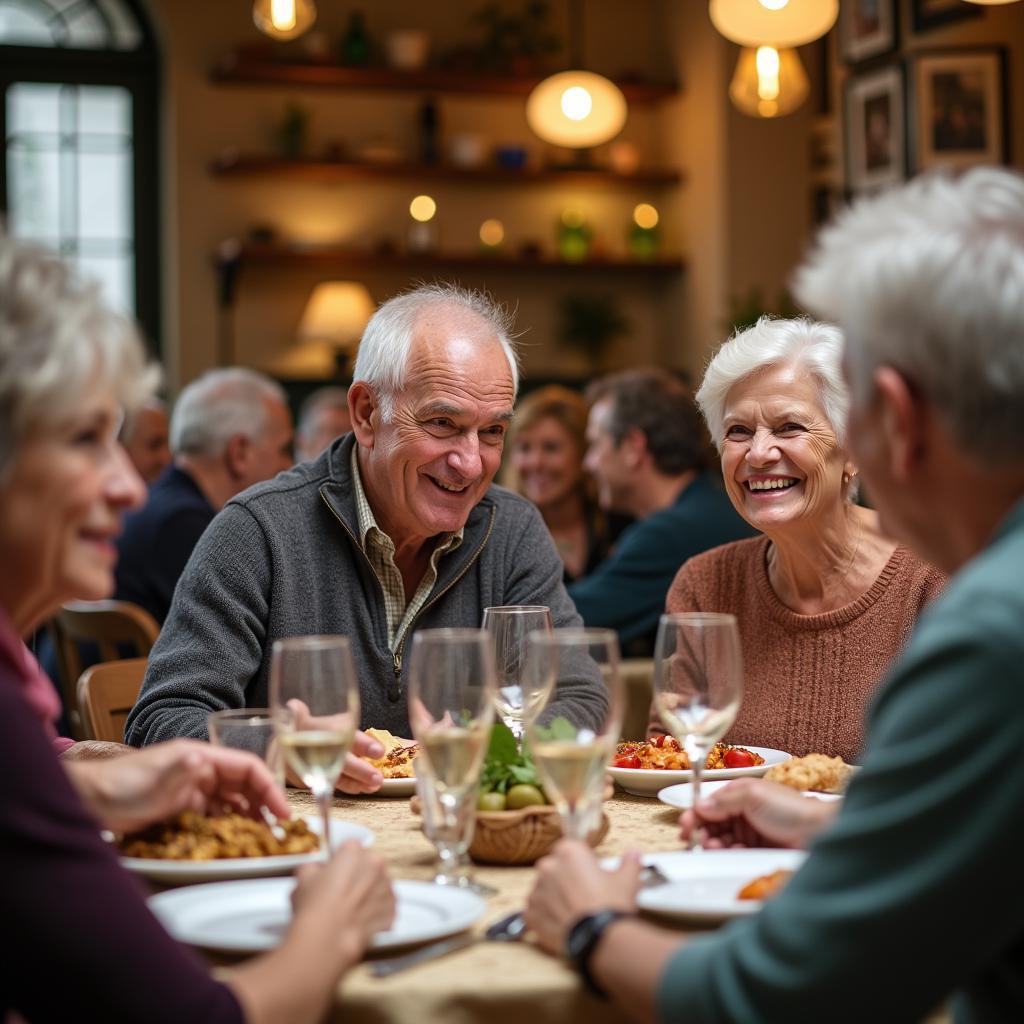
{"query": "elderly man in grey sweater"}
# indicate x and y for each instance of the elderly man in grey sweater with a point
(396, 527)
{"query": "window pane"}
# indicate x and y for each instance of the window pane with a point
(105, 111)
(19, 27)
(33, 184)
(86, 31)
(79, 24)
(32, 108)
(104, 195)
(116, 278)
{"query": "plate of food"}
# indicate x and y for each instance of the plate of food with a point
(814, 774)
(681, 796)
(196, 848)
(715, 885)
(644, 767)
(252, 915)
(396, 765)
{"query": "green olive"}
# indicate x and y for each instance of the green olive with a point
(523, 796)
(491, 802)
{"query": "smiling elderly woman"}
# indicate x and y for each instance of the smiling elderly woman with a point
(67, 369)
(824, 600)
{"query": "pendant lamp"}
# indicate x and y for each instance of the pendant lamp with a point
(283, 19)
(991, 3)
(576, 108)
(779, 23)
(768, 82)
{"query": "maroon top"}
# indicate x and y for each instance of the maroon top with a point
(78, 934)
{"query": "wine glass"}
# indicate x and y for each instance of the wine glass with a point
(698, 683)
(314, 696)
(509, 625)
(572, 750)
(451, 708)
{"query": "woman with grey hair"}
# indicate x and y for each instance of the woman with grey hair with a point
(824, 600)
(68, 371)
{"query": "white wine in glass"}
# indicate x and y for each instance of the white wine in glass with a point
(314, 697)
(571, 756)
(451, 708)
(509, 626)
(698, 684)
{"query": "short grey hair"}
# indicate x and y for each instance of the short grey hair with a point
(322, 398)
(808, 345)
(219, 405)
(387, 341)
(929, 279)
(57, 342)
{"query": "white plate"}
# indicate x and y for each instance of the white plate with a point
(178, 872)
(681, 796)
(648, 781)
(252, 916)
(705, 883)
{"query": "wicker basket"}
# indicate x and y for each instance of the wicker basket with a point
(521, 837)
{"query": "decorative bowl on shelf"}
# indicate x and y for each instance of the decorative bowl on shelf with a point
(523, 836)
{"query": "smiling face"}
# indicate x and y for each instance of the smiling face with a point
(781, 461)
(547, 461)
(63, 500)
(427, 467)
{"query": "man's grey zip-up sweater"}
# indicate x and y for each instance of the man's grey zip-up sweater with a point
(283, 559)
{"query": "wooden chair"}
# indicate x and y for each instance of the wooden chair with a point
(638, 679)
(106, 693)
(115, 629)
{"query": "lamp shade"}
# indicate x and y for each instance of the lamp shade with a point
(283, 19)
(991, 3)
(768, 82)
(336, 313)
(576, 109)
(778, 23)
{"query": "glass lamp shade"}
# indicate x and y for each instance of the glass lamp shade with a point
(991, 3)
(778, 23)
(768, 82)
(337, 312)
(577, 109)
(284, 19)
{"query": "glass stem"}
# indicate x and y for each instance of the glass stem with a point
(323, 798)
(576, 819)
(696, 835)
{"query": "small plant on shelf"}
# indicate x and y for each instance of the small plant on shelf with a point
(589, 323)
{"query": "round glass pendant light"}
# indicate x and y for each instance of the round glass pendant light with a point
(991, 3)
(576, 109)
(283, 19)
(768, 82)
(779, 23)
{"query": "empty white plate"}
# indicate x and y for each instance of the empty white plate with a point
(681, 796)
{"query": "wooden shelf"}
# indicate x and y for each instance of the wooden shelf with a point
(331, 76)
(331, 257)
(248, 166)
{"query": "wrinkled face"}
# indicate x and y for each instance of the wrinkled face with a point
(147, 444)
(781, 462)
(330, 422)
(427, 467)
(270, 452)
(547, 461)
(605, 461)
(63, 503)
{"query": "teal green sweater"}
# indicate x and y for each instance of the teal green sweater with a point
(917, 891)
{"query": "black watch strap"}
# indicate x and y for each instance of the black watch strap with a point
(582, 940)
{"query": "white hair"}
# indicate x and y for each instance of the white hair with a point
(219, 405)
(929, 279)
(322, 398)
(58, 342)
(387, 341)
(802, 344)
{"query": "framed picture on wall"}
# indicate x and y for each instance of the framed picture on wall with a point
(959, 108)
(867, 28)
(874, 129)
(929, 13)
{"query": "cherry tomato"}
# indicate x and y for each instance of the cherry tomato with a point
(737, 758)
(659, 740)
(629, 761)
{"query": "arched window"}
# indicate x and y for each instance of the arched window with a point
(78, 126)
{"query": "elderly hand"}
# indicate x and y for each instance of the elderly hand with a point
(130, 792)
(752, 812)
(570, 884)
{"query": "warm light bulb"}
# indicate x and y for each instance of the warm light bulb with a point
(769, 81)
(492, 232)
(577, 103)
(773, 5)
(283, 19)
(423, 208)
(767, 73)
(645, 216)
(771, 22)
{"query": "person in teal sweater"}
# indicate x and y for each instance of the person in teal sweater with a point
(912, 894)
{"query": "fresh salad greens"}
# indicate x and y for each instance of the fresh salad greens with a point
(505, 765)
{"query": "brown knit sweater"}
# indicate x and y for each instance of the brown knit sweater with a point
(807, 678)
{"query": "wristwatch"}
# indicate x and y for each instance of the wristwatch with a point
(582, 940)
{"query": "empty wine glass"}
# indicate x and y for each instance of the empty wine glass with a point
(698, 683)
(314, 697)
(510, 625)
(572, 744)
(451, 708)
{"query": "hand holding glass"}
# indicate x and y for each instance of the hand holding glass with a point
(572, 755)
(314, 696)
(698, 683)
